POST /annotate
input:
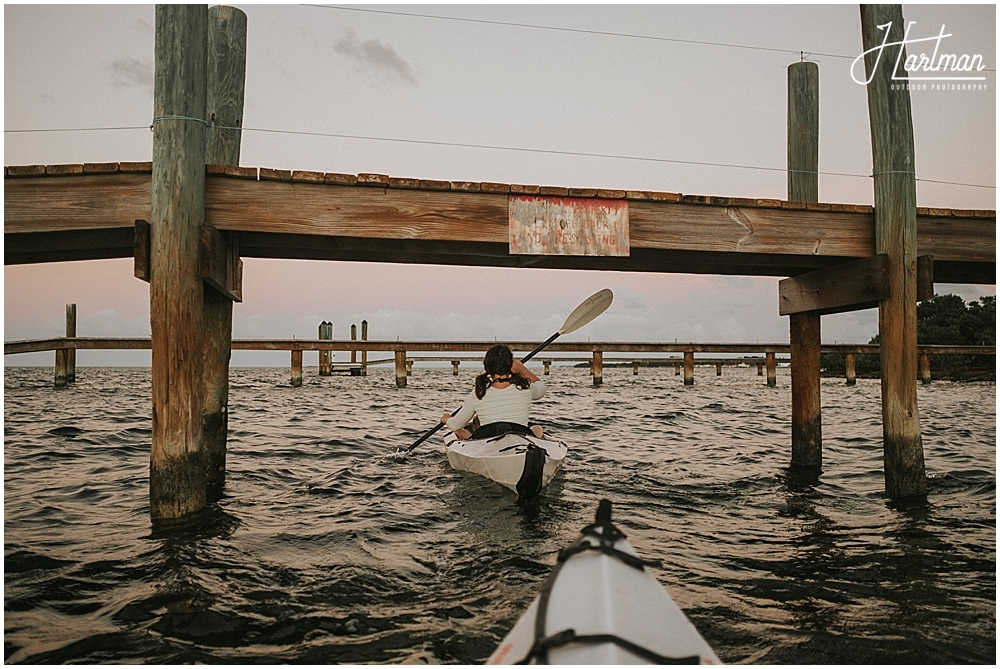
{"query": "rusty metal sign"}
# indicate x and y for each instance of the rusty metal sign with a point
(568, 226)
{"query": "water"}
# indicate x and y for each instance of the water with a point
(327, 548)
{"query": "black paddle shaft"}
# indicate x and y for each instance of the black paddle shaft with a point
(432, 431)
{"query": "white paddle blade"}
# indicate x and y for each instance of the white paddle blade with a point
(591, 308)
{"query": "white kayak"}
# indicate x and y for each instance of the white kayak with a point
(601, 605)
(522, 463)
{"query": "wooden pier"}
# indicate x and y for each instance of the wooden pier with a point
(190, 215)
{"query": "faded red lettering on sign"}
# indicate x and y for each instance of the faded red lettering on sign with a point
(568, 226)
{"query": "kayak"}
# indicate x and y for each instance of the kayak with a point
(600, 605)
(525, 464)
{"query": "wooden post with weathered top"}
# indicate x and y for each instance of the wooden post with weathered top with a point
(71, 353)
(597, 367)
(176, 296)
(849, 368)
(226, 73)
(925, 368)
(325, 357)
(769, 362)
(354, 337)
(364, 354)
(546, 364)
(894, 176)
(454, 367)
(804, 327)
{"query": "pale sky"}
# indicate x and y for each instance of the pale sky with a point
(572, 86)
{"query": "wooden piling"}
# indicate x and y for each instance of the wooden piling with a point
(850, 369)
(400, 369)
(807, 426)
(895, 235)
(635, 368)
(226, 73)
(597, 366)
(364, 354)
(71, 353)
(354, 337)
(688, 368)
(296, 369)
(677, 369)
(454, 367)
(325, 357)
(771, 372)
(409, 368)
(177, 480)
(804, 327)
(545, 366)
(760, 369)
(62, 363)
(718, 369)
(925, 368)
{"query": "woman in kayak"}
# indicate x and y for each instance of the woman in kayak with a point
(500, 400)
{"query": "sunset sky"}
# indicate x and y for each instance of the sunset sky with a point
(645, 83)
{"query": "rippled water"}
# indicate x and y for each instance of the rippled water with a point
(328, 548)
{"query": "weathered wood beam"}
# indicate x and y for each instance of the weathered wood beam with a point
(293, 218)
(859, 284)
(894, 175)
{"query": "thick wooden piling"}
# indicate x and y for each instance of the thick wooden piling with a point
(400, 369)
(325, 357)
(177, 481)
(807, 435)
(925, 368)
(804, 327)
(894, 177)
(62, 364)
(688, 368)
(772, 380)
(226, 74)
(364, 354)
(635, 368)
(597, 366)
(296, 369)
(849, 365)
(71, 353)
(354, 337)
(454, 367)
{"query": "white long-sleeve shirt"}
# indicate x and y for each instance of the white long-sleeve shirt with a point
(508, 404)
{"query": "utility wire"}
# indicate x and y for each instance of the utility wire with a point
(492, 147)
(608, 33)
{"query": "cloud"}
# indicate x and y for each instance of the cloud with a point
(131, 72)
(374, 56)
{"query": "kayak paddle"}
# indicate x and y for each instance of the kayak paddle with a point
(589, 309)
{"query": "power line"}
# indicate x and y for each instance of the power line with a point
(493, 147)
(584, 31)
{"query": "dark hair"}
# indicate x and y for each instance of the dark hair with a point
(497, 362)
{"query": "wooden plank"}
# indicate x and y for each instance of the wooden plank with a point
(216, 264)
(859, 284)
(896, 236)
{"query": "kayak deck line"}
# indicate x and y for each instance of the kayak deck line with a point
(604, 607)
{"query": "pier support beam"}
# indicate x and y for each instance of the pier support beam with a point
(325, 357)
(894, 177)
(635, 368)
(354, 337)
(176, 295)
(71, 353)
(718, 369)
(925, 368)
(597, 367)
(62, 365)
(454, 367)
(688, 368)
(225, 85)
(296, 369)
(545, 366)
(400, 369)
(772, 379)
(760, 369)
(364, 354)
(804, 327)
(409, 368)
(849, 366)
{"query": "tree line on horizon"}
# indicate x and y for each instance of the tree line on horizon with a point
(943, 320)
